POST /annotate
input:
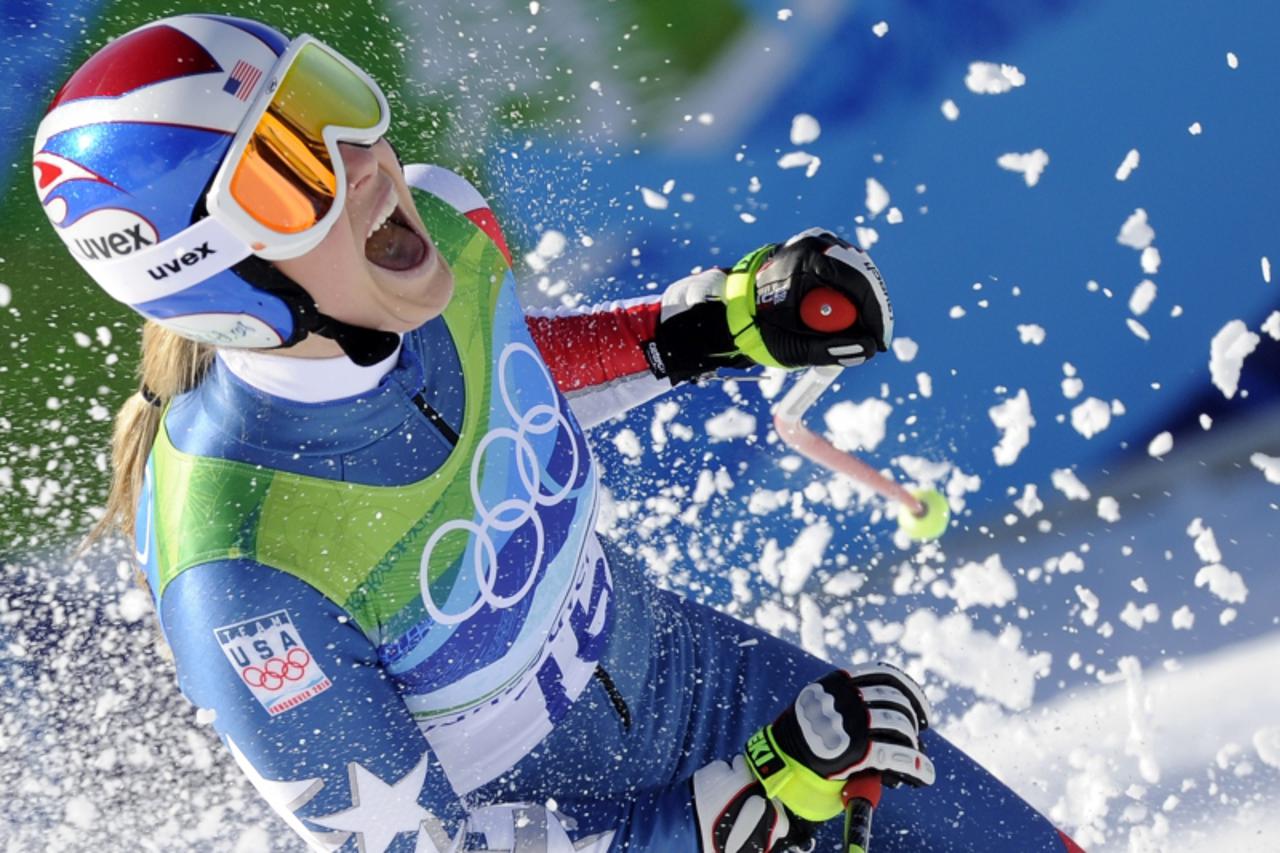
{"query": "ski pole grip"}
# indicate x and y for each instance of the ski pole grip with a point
(861, 795)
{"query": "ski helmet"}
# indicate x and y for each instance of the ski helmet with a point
(125, 159)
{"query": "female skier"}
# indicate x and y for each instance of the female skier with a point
(357, 480)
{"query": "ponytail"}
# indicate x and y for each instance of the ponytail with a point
(170, 365)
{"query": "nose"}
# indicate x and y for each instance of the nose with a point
(360, 162)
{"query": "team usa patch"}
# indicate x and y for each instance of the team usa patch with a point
(272, 661)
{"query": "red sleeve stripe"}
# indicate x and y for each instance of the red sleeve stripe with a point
(596, 345)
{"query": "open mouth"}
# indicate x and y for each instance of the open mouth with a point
(392, 242)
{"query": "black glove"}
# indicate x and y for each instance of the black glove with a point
(815, 299)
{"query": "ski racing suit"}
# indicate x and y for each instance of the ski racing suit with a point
(409, 633)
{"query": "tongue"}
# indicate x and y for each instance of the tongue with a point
(395, 247)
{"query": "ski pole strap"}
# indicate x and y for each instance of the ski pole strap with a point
(740, 307)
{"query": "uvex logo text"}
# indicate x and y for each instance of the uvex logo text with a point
(186, 259)
(112, 245)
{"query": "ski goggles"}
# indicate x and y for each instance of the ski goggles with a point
(283, 184)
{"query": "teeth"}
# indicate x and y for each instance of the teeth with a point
(381, 218)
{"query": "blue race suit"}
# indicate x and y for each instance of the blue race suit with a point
(408, 647)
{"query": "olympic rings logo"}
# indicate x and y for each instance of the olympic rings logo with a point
(502, 444)
(275, 672)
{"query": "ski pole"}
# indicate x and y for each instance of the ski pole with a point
(861, 795)
(924, 513)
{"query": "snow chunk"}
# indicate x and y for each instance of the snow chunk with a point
(990, 78)
(1160, 445)
(627, 443)
(134, 604)
(1195, 129)
(905, 349)
(880, 29)
(1136, 233)
(1233, 62)
(877, 197)
(730, 424)
(796, 159)
(1224, 583)
(6, 296)
(1183, 619)
(1014, 420)
(1142, 297)
(1091, 417)
(1267, 742)
(986, 584)
(654, 199)
(804, 555)
(1108, 509)
(993, 667)
(1137, 617)
(1031, 333)
(1066, 481)
(804, 129)
(949, 110)
(1139, 330)
(784, 14)
(1266, 269)
(1206, 544)
(1031, 164)
(857, 426)
(1151, 261)
(1227, 352)
(811, 631)
(550, 246)
(1272, 325)
(1127, 165)
(1268, 465)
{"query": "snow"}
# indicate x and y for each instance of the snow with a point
(1136, 233)
(1160, 445)
(784, 14)
(1151, 261)
(1266, 742)
(990, 78)
(1139, 330)
(1195, 129)
(804, 129)
(1183, 619)
(1066, 481)
(730, 424)
(1142, 297)
(877, 197)
(1272, 325)
(1031, 164)
(856, 426)
(1223, 583)
(1233, 61)
(804, 555)
(992, 666)
(1268, 465)
(1108, 509)
(1227, 352)
(1266, 269)
(904, 349)
(551, 245)
(1014, 420)
(798, 159)
(1091, 417)
(653, 199)
(1031, 333)
(6, 296)
(881, 28)
(950, 111)
(1127, 165)
(985, 584)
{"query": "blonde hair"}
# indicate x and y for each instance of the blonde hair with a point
(170, 365)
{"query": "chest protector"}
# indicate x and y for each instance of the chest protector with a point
(482, 586)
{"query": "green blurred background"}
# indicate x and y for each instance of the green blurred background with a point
(459, 78)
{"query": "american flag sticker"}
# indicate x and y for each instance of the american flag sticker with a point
(244, 77)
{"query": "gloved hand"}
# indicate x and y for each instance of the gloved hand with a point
(814, 299)
(848, 722)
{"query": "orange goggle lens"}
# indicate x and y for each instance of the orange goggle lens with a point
(287, 177)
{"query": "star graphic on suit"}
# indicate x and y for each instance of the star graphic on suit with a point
(287, 797)
(379, 811)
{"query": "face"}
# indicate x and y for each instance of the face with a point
(377, 267)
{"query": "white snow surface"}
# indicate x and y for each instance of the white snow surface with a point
(1227, 351)
(991, 78)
